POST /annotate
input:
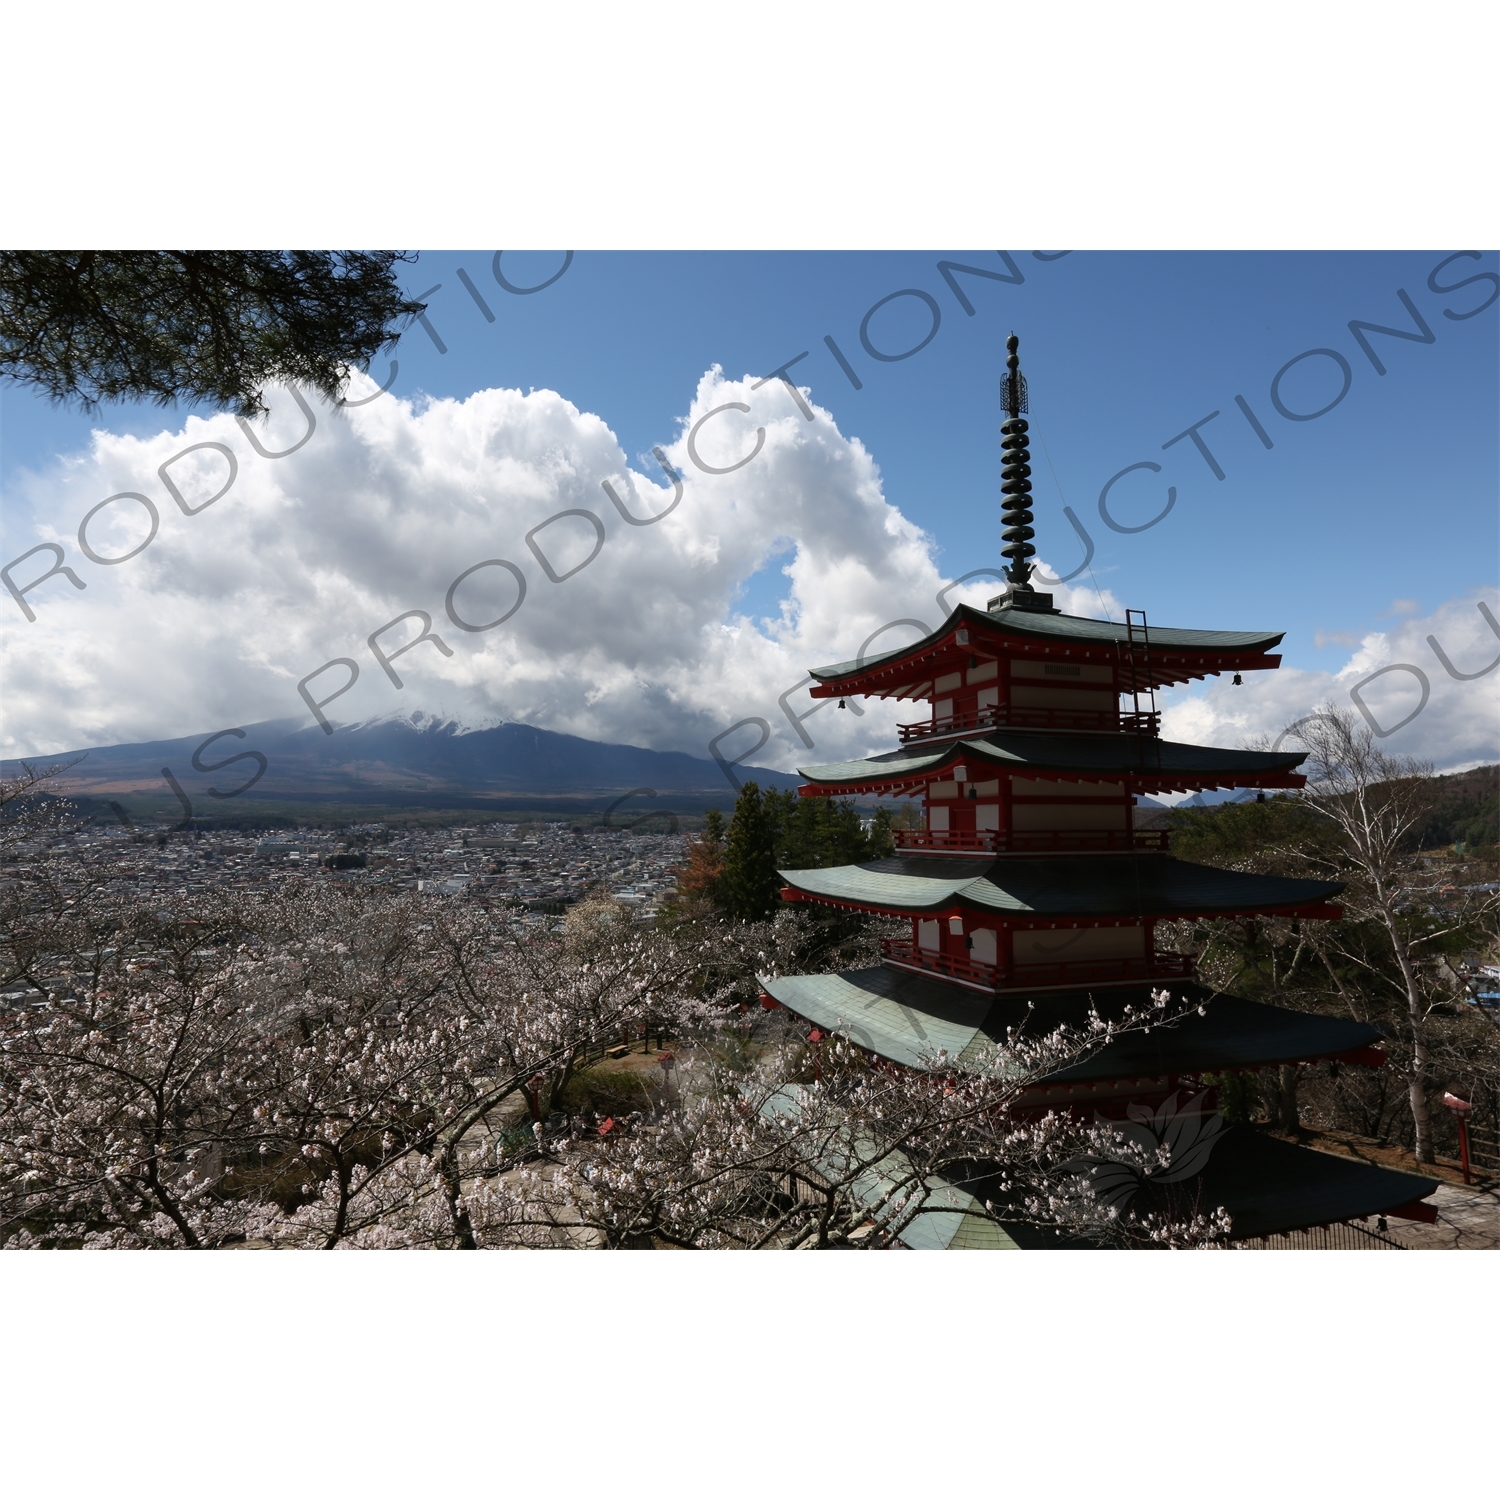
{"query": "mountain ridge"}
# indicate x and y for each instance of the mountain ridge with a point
(397, 760)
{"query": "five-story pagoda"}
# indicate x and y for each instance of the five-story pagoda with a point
(1030, 892)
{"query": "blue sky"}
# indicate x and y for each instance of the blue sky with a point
(1380, 510)
(1390, 496)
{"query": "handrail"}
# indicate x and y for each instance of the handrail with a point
(903, 953)
(1029, 841)
(1013, 716)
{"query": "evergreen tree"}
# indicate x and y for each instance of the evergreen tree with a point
(823, 831)
(750, 887)
(879, 842)
(778, 830)
(195, 325)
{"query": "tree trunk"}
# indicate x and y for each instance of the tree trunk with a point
(570, 1059)
(154, 1184)
(341, 1217)
(458, 1210)
(1286, 1098)
(1416, 1090)
(1416, 1087)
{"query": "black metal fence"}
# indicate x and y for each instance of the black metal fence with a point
(1346, 1236)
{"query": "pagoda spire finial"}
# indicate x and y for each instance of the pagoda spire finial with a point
(1015, 485)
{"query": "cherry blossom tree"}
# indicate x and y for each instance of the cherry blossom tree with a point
(777, 1137)
(327, 1066)
(1373, 802)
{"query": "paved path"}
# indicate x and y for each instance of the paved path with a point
(1468, 1219)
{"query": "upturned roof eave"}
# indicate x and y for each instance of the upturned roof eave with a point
(956, 904)
(1105, 633)
(910, 1019)
(882, 769)
(1098, 887)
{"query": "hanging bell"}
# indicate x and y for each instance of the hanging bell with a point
(842, 704)
(1238, 680)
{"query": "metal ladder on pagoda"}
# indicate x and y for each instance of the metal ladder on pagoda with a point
(1135, 657)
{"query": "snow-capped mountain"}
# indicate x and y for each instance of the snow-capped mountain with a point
(399, 759)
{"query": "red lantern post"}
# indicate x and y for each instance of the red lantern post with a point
(1461, 1109)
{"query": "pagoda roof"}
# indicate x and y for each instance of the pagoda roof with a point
(1270, 1187)
(1062, 630)
(1266, 1186)
(910, 1018)
(950, 1218)
(1090, 756)
(1067, 886)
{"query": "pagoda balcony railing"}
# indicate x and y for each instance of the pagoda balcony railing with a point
(1011, 716)
(905, 954)
(902, 953)
(1028, 841)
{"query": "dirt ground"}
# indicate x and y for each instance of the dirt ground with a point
(1468, 1216)
(1397, 1158)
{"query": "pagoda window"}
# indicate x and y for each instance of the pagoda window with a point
(987, 817)
(983, 789)
(987, 672)
(1079, 944)
(988, 698)
(943, 789)
(942, 709)
(947, 683)
(928, 936)
(986, 948)
(937, 819)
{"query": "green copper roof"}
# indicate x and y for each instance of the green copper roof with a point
(948, 1218)
(1030, 625)
(1266, 1186)
(1106, 755)
(900, 1016)
(1077, 885)
(910, 1018)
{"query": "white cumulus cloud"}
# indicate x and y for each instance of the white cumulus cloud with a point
(643, 640)
(386, 505)
(1437, 702)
